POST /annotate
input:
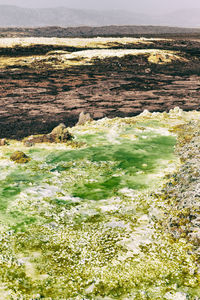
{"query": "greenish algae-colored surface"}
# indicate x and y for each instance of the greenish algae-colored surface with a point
(84, 224)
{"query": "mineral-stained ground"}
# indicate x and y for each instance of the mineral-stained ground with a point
(111, 214)
(109, 208)
(45, 81)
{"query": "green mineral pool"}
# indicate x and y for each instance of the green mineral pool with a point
(83, 223)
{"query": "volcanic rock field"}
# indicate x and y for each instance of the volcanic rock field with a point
(46, 81)
(106, 208)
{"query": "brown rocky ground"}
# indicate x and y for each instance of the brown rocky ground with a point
(34, 100)
(107, 31)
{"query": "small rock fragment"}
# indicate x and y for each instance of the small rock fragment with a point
(3, 142)
(147, 71)
(20, 157)
(28, 144)
(59, 134)
(84, 118)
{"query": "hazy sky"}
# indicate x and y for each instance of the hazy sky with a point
(145, 6)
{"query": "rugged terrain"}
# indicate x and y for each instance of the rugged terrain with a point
(101, 31)
(105, 77)
(109, 208)
(111, 214)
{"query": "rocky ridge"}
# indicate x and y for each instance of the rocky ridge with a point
(182, 192)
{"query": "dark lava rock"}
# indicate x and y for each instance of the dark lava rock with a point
(34, 101)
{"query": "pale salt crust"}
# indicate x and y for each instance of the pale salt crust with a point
(60, 60)
(87, 57)
(73, 42)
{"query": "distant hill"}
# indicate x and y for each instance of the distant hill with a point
(62, 16)
(183, 18)
(101, 31)
(13, 16)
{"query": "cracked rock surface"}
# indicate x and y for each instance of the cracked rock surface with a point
(37, 97)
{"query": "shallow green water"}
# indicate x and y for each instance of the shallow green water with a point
(82, 224)
(100, 170)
